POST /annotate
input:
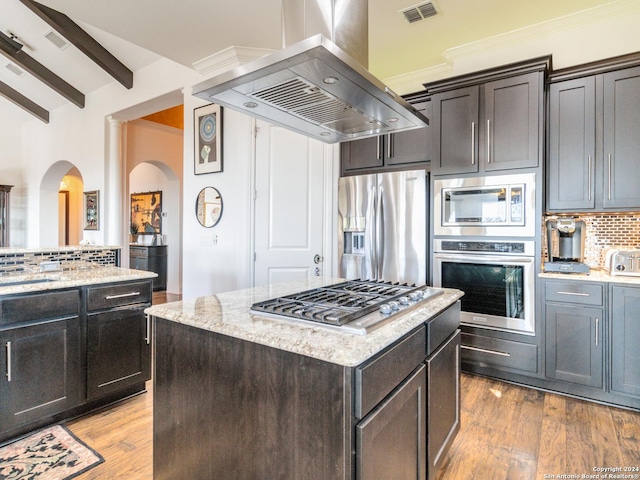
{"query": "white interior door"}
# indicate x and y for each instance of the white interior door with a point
(288, 206)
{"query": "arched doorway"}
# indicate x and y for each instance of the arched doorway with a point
(60, 216)
(156, 176)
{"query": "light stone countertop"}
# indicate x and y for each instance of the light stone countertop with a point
(595, 276)
(64, 248)
(86, 275)
(228, 314)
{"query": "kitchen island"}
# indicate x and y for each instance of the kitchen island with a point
(245, 396)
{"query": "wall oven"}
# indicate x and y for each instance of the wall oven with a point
(500, 205)
(497, 277)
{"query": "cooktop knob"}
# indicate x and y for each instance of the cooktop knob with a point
(403, 301)
(415, 296)
(394, 305)
(385, 308)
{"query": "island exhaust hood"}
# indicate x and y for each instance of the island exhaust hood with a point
(317, 86)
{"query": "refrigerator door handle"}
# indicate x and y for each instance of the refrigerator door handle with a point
(379, 247)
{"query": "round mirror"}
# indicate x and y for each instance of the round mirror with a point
(209, 207)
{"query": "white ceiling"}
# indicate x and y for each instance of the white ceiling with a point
(187, 31)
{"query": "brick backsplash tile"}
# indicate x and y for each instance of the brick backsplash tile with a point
(605, 231)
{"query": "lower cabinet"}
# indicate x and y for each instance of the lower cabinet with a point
(118, 337)
(625, 338)
(42, 368)
(574, 339)
(393, 417)
(443, 403)
(118, 351)
(391, 441)
(574, 344)
(63, 357)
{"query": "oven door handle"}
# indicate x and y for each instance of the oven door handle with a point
(483, 259)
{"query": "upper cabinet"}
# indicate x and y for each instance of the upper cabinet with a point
(594, 117)
(490, 120)
(393, 151)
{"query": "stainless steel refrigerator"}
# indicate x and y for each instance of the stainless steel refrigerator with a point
(382, 225)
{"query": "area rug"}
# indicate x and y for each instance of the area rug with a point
(53, 453)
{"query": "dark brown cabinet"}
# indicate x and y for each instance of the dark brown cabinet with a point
(5, 206)
(40, 335)
(393, 151)
(391, 442)
(593, 141)
(493, 126)
(625, 338)
(574, 322)
(379, 420)
(151, 258)
(118, 338)
(67, 352)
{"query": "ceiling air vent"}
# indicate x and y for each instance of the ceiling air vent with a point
(419, 12)
(15, 69)
(56, 39)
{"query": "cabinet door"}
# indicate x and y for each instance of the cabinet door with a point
(118, 350)
(572, 144)
(455, 131)
(625, 338)
(511, 129)
(574, 343)
(621, 139)
(391, 440)
(363, 154)
(42, 371)
(443, 404)
(407, 147)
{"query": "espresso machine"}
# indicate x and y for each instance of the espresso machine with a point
(565, 245)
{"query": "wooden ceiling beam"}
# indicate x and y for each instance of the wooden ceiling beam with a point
(83, 41)
(42, 73)
(23, 102)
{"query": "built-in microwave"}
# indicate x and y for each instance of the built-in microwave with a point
(500, 205)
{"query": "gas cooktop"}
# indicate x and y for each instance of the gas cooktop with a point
(355, 306)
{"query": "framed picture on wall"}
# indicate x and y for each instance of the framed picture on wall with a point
(91, 215)
(146, 213)
(207, 129)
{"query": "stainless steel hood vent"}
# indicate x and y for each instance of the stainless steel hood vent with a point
(314, 87)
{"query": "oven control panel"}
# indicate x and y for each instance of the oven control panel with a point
(478, 246)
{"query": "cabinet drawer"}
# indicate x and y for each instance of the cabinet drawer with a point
(39, 306)
(488, 351)
(99, 298)
(140, 252)
(377, 378)
(574, 292)
(442, 327)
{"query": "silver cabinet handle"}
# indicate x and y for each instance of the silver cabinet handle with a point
(390, 145)
(575, 294)
(597, 329)
(488, 141)
(148, 333)
(589, 177)
(122, 295)
(609, 182)
(473, 143)
(378, 148)
(483, 350)
(8, 373)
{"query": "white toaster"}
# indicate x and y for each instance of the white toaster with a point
(622, 261)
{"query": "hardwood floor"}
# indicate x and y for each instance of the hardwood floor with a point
(512, 432)
(507, 432)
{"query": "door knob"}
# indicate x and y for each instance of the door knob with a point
(317, 259)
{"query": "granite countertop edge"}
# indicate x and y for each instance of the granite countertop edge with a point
(35, 282)
(228, 314)
(594, 276)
